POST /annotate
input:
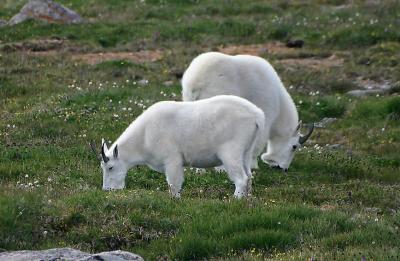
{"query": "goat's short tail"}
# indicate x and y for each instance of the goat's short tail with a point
(258, 138)
(260, 131)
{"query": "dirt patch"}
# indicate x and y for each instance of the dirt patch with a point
(327, 207)
(52, 47)
(41, 45)
(278, 48)
(258, 49)
(136, 57)
(313, 62)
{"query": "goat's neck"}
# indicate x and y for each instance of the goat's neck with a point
(287, 120)
(130, 147)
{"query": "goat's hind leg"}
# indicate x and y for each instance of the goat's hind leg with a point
(174, 175)
(247, 162)
(237, 173)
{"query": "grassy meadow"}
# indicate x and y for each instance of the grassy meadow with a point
(340, 199)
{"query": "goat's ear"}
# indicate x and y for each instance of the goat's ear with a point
(115, 152)
(104, 145)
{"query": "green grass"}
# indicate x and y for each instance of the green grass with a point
(340, 202)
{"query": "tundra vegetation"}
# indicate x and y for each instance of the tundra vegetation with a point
(340, 199)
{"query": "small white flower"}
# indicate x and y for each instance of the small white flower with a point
(26, 176)
(317, 103)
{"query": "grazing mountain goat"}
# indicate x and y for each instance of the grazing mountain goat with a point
(170, 135)
(254, 79)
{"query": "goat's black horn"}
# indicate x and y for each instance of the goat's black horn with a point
(305, 137)
(103, 155)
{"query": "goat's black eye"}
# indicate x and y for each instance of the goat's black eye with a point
(294, 147)
(110, 168)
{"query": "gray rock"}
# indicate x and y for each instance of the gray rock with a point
(370, 87)
(362, 93)
(143, 82)
(68, 254)
(168, 83)
(335, 146)
(46, 10)
(324, 122)
(373, 210)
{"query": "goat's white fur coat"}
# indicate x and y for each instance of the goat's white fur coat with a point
(170, 135)
(254, 79)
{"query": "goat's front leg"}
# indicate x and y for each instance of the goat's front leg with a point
(174, 175)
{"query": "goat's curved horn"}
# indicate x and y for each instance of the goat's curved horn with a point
(103, 155)
(304, 138)
(93, 146)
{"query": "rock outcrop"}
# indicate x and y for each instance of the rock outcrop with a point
(68, 254)
(46, 10)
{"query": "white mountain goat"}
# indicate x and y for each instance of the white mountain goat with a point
(254, 79)
(170, 135)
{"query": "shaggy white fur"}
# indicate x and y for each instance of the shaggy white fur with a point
(254, 79)
(170, 135)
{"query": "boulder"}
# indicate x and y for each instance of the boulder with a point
(46, 10)
(68, 254)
